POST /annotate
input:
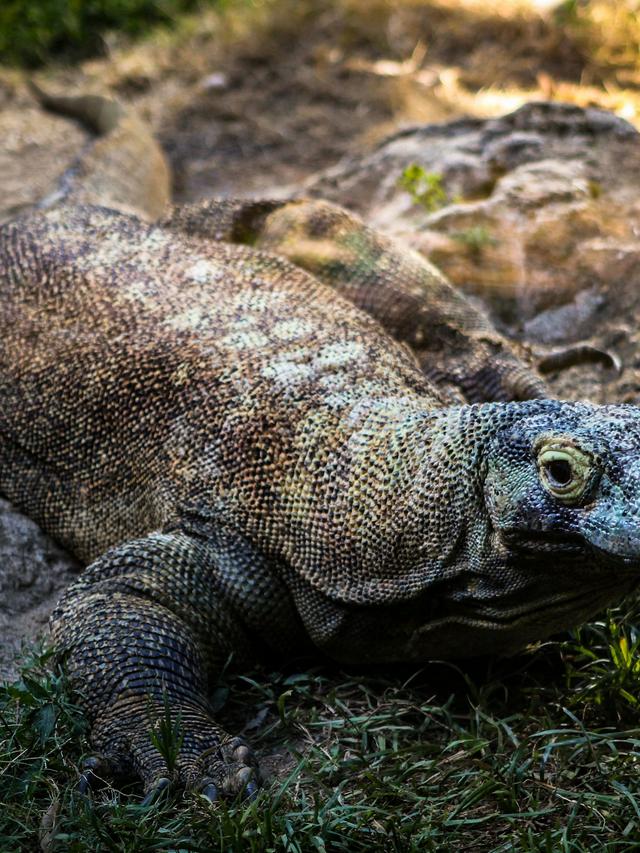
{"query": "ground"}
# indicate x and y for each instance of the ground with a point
(539, 752)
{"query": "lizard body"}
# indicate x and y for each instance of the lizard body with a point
(252, 419)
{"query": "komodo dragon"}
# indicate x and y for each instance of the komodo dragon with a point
(253, 420)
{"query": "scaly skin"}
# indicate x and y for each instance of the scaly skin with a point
(454, 341)
(253, 465)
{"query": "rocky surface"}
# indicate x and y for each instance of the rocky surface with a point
(35, 149)
(33, 573)
(539, 219)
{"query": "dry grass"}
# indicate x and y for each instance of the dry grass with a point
(308, 82)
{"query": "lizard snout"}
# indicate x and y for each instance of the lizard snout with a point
(615, 540)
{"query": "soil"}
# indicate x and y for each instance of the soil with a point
(262, 107)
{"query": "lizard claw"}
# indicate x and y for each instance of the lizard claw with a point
(95, 772)
(234, 767)
(153, 795)
(251, 790)
(87, 776)
(208, 760)
(245, 780)
(210, 792)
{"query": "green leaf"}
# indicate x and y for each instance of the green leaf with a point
(44, 721)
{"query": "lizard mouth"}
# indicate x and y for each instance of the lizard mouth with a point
(544, 612)
(536, 542)
(506, 625)
(569, 547)
(544, 609)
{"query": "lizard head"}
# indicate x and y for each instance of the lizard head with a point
(555, 536)
(562, 493)
(567, 482)
(525, 521)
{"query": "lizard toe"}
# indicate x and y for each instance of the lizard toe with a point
(156, 790)
(227, 768)
(242, 777)
(209, 791)
(99, 770)
(202, 756)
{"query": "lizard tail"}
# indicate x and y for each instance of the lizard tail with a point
(123, 168)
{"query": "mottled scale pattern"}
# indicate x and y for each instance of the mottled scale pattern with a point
(453, 339)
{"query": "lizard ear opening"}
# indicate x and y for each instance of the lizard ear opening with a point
(565, 470)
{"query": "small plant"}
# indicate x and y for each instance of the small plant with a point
(605, 665)
(167, 734)
(425, 188)
(475, 239)
(595, 189)
(567, 12)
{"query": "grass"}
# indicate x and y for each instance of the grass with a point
(425, 188)
(32, 33)
(535, 753)
(475, 239)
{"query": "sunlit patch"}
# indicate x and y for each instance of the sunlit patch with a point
(287, 372)
(204, 271)
(338, 355)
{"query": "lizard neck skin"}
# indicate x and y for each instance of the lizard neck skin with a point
(371, 525)
(381, 573)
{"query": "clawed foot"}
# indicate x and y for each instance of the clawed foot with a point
(204, 759)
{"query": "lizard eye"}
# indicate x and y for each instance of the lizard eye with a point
(558, 472)
(565, 470)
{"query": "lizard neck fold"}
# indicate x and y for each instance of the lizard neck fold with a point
(368, 529)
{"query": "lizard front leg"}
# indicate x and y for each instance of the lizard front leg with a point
(143, 631)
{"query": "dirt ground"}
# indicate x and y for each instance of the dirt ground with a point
(259, 99)
(255, 99)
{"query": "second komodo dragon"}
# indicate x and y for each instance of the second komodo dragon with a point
(255, 422)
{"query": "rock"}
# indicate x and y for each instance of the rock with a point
(216, 80)
(36, 149)
(33, 573)
(557, 325)
(542, 218)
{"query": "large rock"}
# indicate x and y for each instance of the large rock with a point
(35, 149)
(541, 221)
